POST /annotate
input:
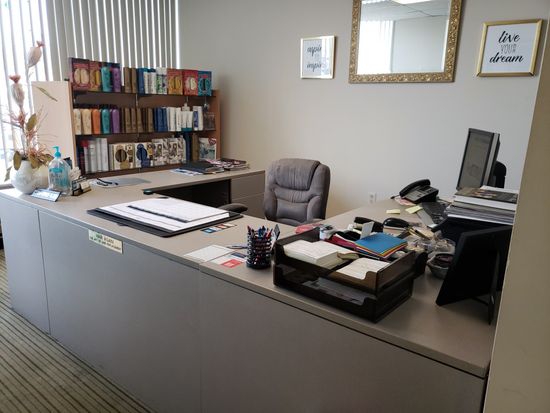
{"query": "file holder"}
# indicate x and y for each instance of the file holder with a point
(372, 298)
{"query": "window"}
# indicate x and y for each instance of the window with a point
(133, 33)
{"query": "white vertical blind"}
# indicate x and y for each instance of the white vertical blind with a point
(22, 23)
(134, 33)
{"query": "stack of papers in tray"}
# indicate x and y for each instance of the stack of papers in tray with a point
(321, 253)
(166, 214)
(359, 268)
(380, 245)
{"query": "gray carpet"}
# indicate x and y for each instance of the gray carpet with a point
(39, 375)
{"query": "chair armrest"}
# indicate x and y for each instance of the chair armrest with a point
(235, 207)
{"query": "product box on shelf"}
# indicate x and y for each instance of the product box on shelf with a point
(127, 79)
(95, 76)
(173, 151)
(133, 78)
(175, 81)
(161, 151)
(116, 77)
(141, 159)
(207, 148)
(79, 73)
(151, 147)
(118, 156)
(209, 121)
(190, 82)
(204, 83)
(131, 152)
(106, 78)
(140, 80)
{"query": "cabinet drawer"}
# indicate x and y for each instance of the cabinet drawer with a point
(247, 186)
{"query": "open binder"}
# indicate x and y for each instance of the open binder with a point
(165, 216)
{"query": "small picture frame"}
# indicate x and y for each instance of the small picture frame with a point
(509, 48)
(317, 57)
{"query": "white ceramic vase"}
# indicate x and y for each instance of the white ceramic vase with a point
(26, 179)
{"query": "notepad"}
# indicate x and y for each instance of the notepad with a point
(380, 245)
(321, 253)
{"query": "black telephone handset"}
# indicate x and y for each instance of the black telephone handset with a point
(419, 191)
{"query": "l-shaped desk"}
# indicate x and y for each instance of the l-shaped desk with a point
(187, 336)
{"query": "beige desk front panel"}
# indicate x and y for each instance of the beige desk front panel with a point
(260, 355)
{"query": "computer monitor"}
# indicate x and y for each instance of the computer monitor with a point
(478, 266)
(479, 159)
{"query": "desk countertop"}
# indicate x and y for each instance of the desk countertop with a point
(456, 334)
(74, 209)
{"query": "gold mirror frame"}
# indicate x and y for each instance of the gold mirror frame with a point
(447, 75)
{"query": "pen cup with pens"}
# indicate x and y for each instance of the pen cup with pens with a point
(259, 248)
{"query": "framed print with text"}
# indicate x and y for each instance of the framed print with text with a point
(317, 57)
(509, 48)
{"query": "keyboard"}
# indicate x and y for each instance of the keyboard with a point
(436, 211)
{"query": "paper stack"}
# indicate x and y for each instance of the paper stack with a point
(379, 245)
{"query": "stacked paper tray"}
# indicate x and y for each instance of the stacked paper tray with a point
(371, 297)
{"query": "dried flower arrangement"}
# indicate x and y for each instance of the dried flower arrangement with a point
(28, 148)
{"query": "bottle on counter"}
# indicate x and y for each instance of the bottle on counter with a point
(58, 174)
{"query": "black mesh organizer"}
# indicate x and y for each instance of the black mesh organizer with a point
(372, 298)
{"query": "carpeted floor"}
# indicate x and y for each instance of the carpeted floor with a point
(39, 375)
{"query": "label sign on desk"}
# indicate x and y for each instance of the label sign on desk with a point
(105, 241)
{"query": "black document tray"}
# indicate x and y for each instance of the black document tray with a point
(372, 298)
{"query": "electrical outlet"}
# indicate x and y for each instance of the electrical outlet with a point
(372, 197)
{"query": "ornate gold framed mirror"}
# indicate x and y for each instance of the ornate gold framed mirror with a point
(404, 40)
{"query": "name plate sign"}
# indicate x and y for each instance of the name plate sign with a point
(105, 241)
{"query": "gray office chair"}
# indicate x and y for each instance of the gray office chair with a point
(296, 191)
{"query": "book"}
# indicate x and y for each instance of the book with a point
(380, 245)
(488, 196)
(321, 253)
(230, 164)
(480, 213)
(201, 167)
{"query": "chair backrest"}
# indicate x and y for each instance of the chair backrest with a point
(296, 191)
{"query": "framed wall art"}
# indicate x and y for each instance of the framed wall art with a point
(317, 57)
(509, 48)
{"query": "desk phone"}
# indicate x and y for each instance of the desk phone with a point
(419, 191)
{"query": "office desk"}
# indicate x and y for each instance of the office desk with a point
(186, 336)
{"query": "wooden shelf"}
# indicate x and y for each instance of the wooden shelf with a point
(82, 98)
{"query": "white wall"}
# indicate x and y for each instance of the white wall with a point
(418, 44)
(375, 137)
(519, 379)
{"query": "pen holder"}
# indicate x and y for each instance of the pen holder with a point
(259, 248)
